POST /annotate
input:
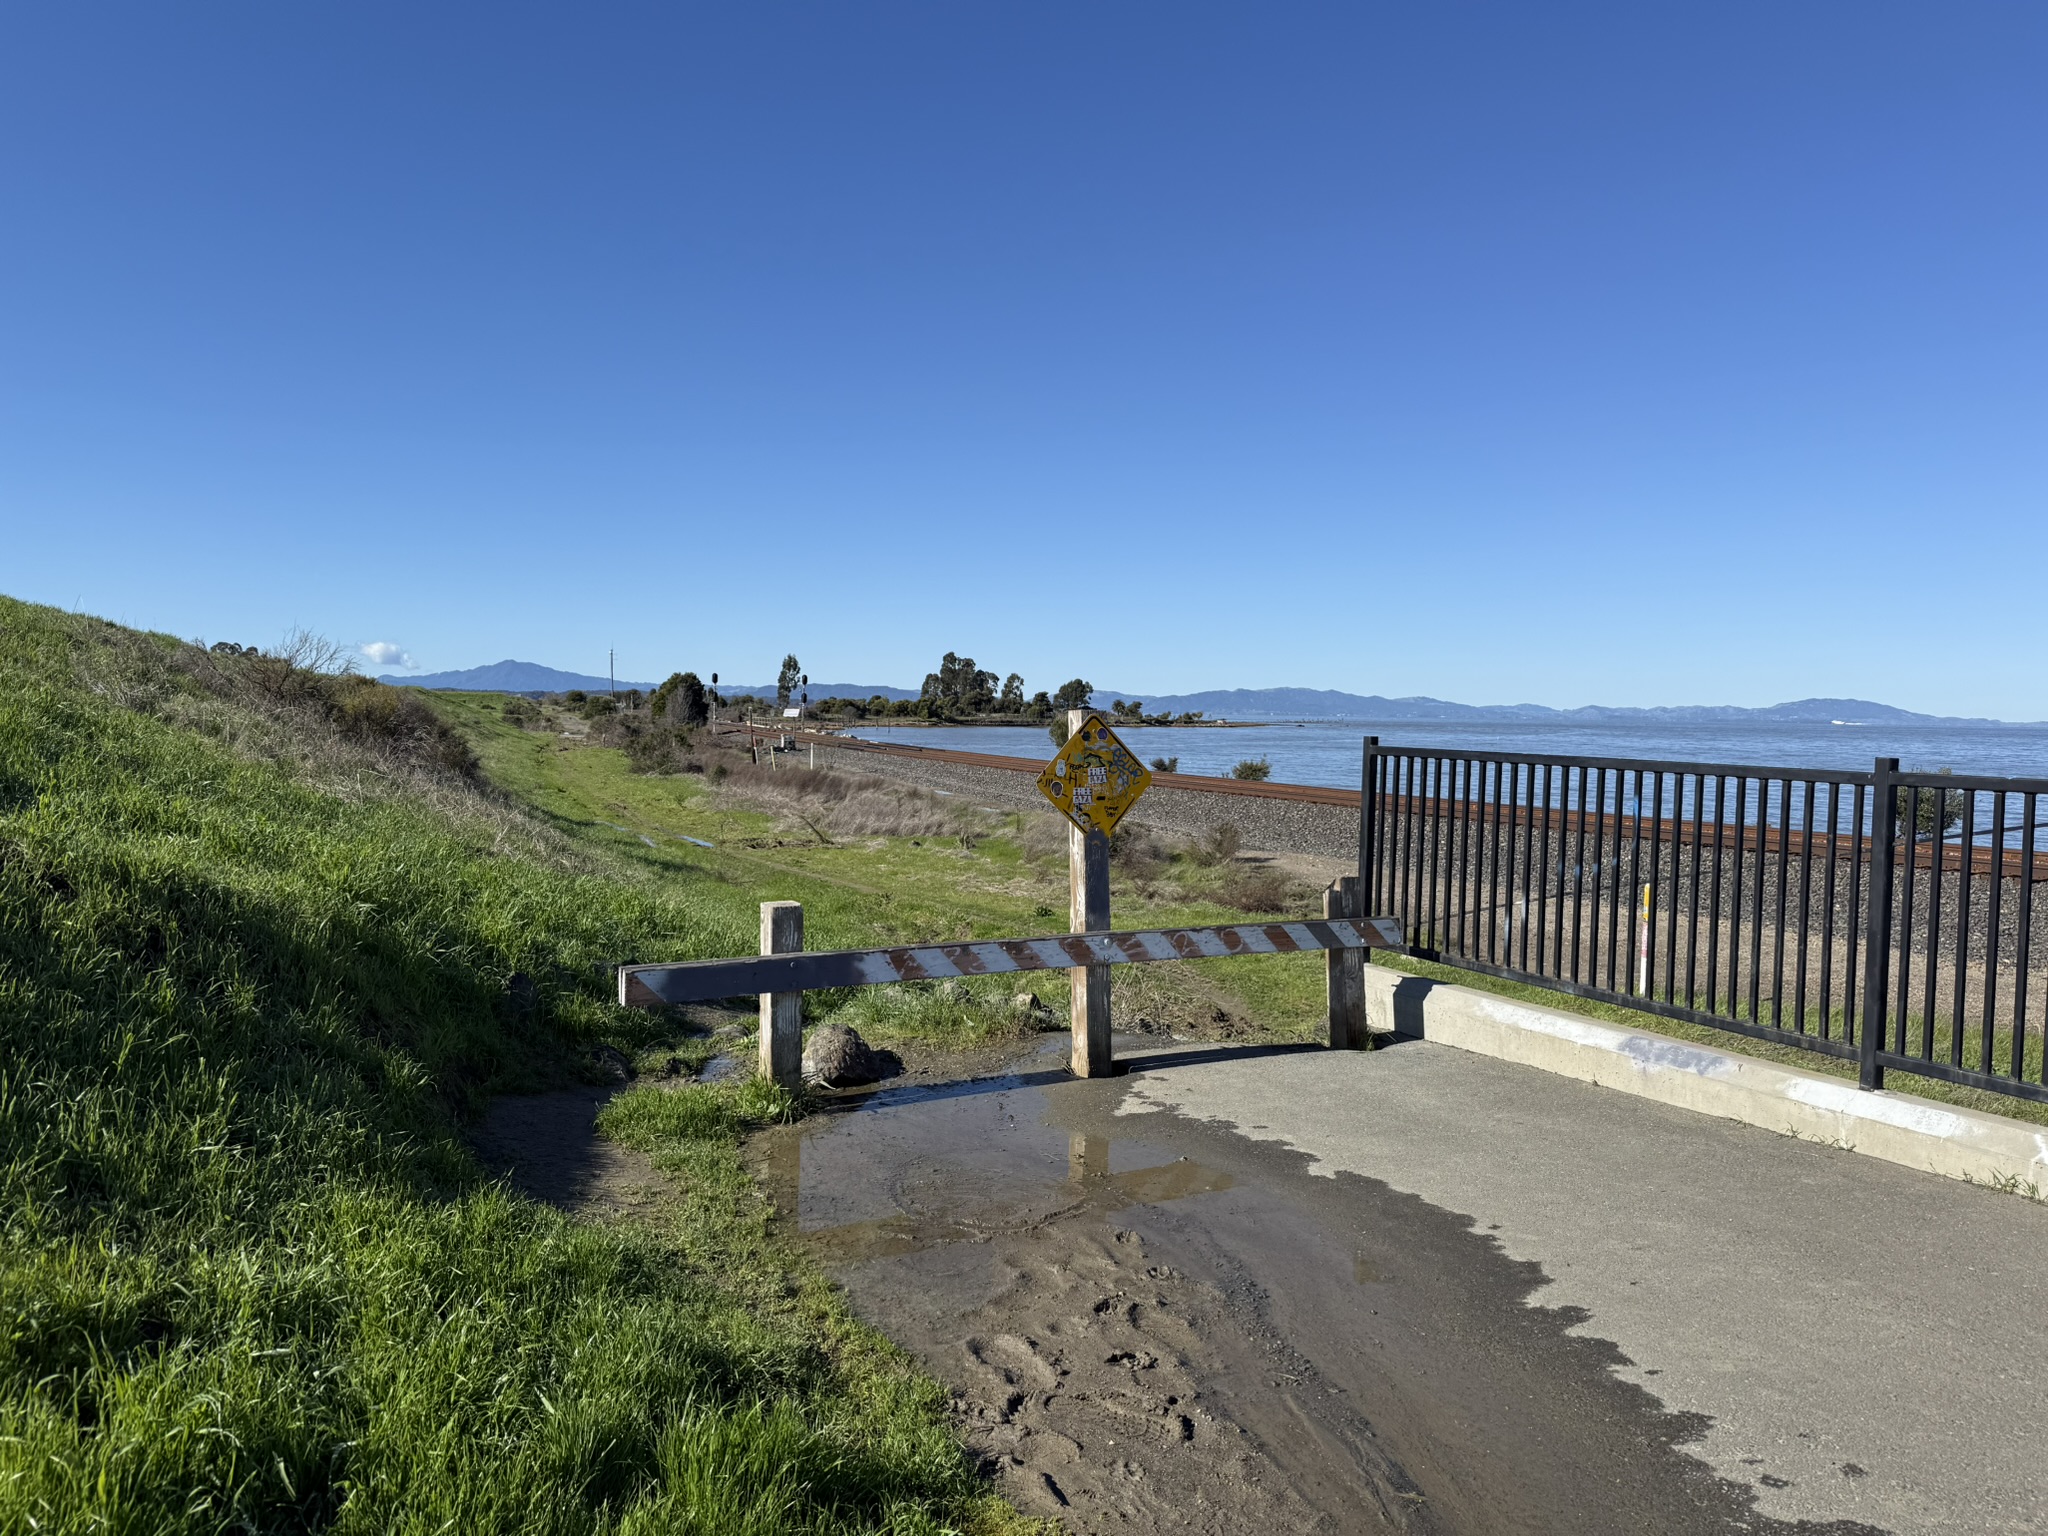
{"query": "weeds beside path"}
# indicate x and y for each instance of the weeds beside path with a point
(950, 871)
(254, 975)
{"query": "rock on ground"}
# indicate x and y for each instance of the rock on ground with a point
(837, 1057)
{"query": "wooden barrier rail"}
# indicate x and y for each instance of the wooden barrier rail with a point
(784, 970)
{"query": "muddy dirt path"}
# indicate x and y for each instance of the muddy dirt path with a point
(1189, 1332)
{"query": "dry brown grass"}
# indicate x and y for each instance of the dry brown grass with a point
(836, 807)
(1253, 887)
(334, 731)
(1219, 845)
(1044, 839)
(1139, 855)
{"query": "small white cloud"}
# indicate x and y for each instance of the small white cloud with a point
(383, 653)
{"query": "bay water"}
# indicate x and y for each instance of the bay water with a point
(1324, 752)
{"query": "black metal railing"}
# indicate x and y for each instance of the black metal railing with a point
(1883, 917)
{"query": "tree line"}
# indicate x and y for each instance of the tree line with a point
(960, 689)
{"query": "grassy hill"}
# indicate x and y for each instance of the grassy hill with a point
(257, 939)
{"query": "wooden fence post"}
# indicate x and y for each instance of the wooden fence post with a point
(1345, 972)
(782, 1013)
(1088, 911)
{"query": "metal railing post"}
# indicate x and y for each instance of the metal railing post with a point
(1368, 827)
(1877, 932)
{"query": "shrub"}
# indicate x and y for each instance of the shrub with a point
(1254, 768)
(1136, 850)
(660, 750)
(1254, 888)
(1939, 811)
(1058, 731)
(308, 679)
(365, 710)
(1218, 846)
(1166, 765)
(681, 699)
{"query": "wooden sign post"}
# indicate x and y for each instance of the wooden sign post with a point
(1088, 912)
(1092, 780)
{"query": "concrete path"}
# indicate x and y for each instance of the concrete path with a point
(1854, 1341)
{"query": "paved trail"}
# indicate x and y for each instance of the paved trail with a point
(1422, 1290)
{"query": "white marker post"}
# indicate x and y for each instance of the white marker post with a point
(1643, 946)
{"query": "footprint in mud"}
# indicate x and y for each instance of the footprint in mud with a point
(1092, 1415)
(1015, 1361)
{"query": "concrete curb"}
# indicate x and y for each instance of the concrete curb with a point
(1918, 1133)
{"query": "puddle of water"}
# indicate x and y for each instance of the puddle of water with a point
(720, 1067)
(1222, 1341)
(916, 1167)
(1019, 1259)
(650, 842)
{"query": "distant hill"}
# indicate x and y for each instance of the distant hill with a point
(1329, 704)
(510, 677)
(532, 677)
(1244, 703)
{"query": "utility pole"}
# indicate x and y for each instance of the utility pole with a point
(611, 666)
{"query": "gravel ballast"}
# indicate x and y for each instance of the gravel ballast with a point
(1274, 826)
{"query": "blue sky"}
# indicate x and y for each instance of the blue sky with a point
(1575, 354)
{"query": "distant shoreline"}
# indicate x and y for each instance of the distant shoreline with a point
(1281, 706)
(913, 723)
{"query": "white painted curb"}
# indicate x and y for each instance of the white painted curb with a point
(1900, 1128)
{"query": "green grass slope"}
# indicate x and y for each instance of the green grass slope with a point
(251, 976)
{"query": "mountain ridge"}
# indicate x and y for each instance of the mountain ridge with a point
(1257, 703)
(1332, 704)
(531, 677)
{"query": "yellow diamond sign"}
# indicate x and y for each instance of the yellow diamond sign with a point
(1094, 779)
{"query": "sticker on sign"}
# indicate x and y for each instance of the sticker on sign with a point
(1094, 778)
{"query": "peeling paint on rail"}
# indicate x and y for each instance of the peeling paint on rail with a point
(698, 981)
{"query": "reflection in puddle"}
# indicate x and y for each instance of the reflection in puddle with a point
(916, 1168)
